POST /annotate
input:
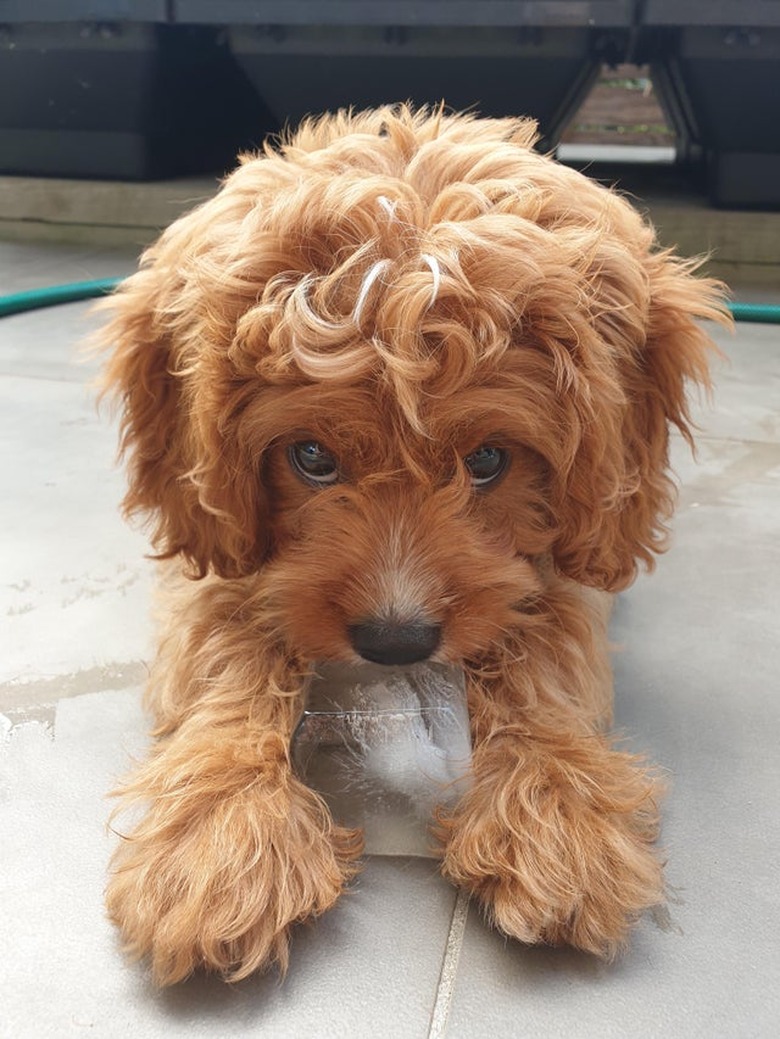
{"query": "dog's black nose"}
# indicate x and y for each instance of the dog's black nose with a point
(391, 642)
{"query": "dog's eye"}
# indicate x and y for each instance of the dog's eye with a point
(312, 462)
(486, 464)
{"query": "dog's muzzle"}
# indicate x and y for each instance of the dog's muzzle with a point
(392, 642)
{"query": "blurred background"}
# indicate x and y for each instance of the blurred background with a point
(150, 88)
(673, 100)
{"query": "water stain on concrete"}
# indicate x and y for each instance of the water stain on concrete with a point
(36, 700)
(752, 463)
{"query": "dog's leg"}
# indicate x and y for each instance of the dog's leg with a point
(555, 837)
(232, 851)
(232, 848)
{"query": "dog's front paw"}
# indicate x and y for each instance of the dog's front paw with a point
(560, 870)
(220, 890)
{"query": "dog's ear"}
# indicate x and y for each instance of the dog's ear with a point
(614, 500)
(202, 503)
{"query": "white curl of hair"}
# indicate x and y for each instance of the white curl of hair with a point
(388, 206)
(374, 272)
(435, 267)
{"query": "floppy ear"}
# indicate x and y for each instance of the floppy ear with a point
(202, 501)
(616, 497)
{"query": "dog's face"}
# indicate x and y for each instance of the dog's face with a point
(394, 545)
(401, 369)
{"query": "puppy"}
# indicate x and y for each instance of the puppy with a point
(401, 391)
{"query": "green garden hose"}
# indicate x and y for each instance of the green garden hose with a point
(18, 302)
(34, 299)
(765, 313)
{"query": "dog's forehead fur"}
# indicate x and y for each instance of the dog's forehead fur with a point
(411, 253)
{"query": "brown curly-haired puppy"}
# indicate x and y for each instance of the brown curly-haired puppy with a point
(400, 391)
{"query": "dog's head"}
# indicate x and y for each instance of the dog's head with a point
(400, 366)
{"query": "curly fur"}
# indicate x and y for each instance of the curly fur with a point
(401, 286)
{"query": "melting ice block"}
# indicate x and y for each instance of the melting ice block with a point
(386, 746)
